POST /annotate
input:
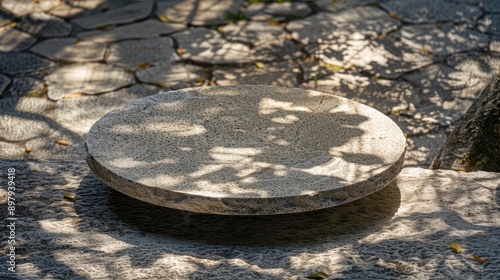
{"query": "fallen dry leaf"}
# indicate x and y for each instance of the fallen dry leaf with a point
(73, 95)
(69, 196)
(104, 8)
(164, 19)
(259, 65)
(106, 27)
(478, 259)
(180, 51)
(426, 49)
(63, 142)
(27, 149)
(456, 247)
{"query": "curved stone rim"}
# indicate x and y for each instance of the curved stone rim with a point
(245, 205)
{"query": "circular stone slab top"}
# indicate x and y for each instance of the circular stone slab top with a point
(245, 150)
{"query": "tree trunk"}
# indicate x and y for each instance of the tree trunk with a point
(475, 143)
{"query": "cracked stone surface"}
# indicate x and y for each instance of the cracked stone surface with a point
(23, 7)
(253, 32)
(170, 75)
(207, 46)
(70, 49)
(478, 64)
(447, 39)
(24, 118)
(132, 54)
(194, 12)
(280, 134)
(78, 8)
(142, 30)
(23, 86)
(426, 11)
(22, 63)
(88, 78)
(13, 40)
(265, 11)
(490, 24)
(282, 74)
(447, 83)
(4, 82)
(126, 14)
(356, 23)
(79, 114)
(385, 57)
(383, 95)
(44, 25)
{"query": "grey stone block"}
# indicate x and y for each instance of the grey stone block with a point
(483, 65)
(88, 78)
(253, 32)
(5, 17)
(443, 40)
(491, 6)
(265, 11)
(70, 49)
(44, 25)
(4, 82)
(207, 46)
(23, 86)
(490, 24)
(142, 30)
(171, 75)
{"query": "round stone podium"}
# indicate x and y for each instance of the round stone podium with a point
(245, 150)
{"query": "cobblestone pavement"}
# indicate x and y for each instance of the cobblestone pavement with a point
(64, 64)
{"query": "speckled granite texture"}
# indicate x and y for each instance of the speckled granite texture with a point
(247, 150)
(400, 232)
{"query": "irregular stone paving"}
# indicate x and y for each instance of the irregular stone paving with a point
(447, 39)
(44, 25)
(70, 49)
(126, 14)
(13, 40)
(401, 232)
(132, 54)
(422, 63)
(195, 12)
(142, 30)
(87, 78)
